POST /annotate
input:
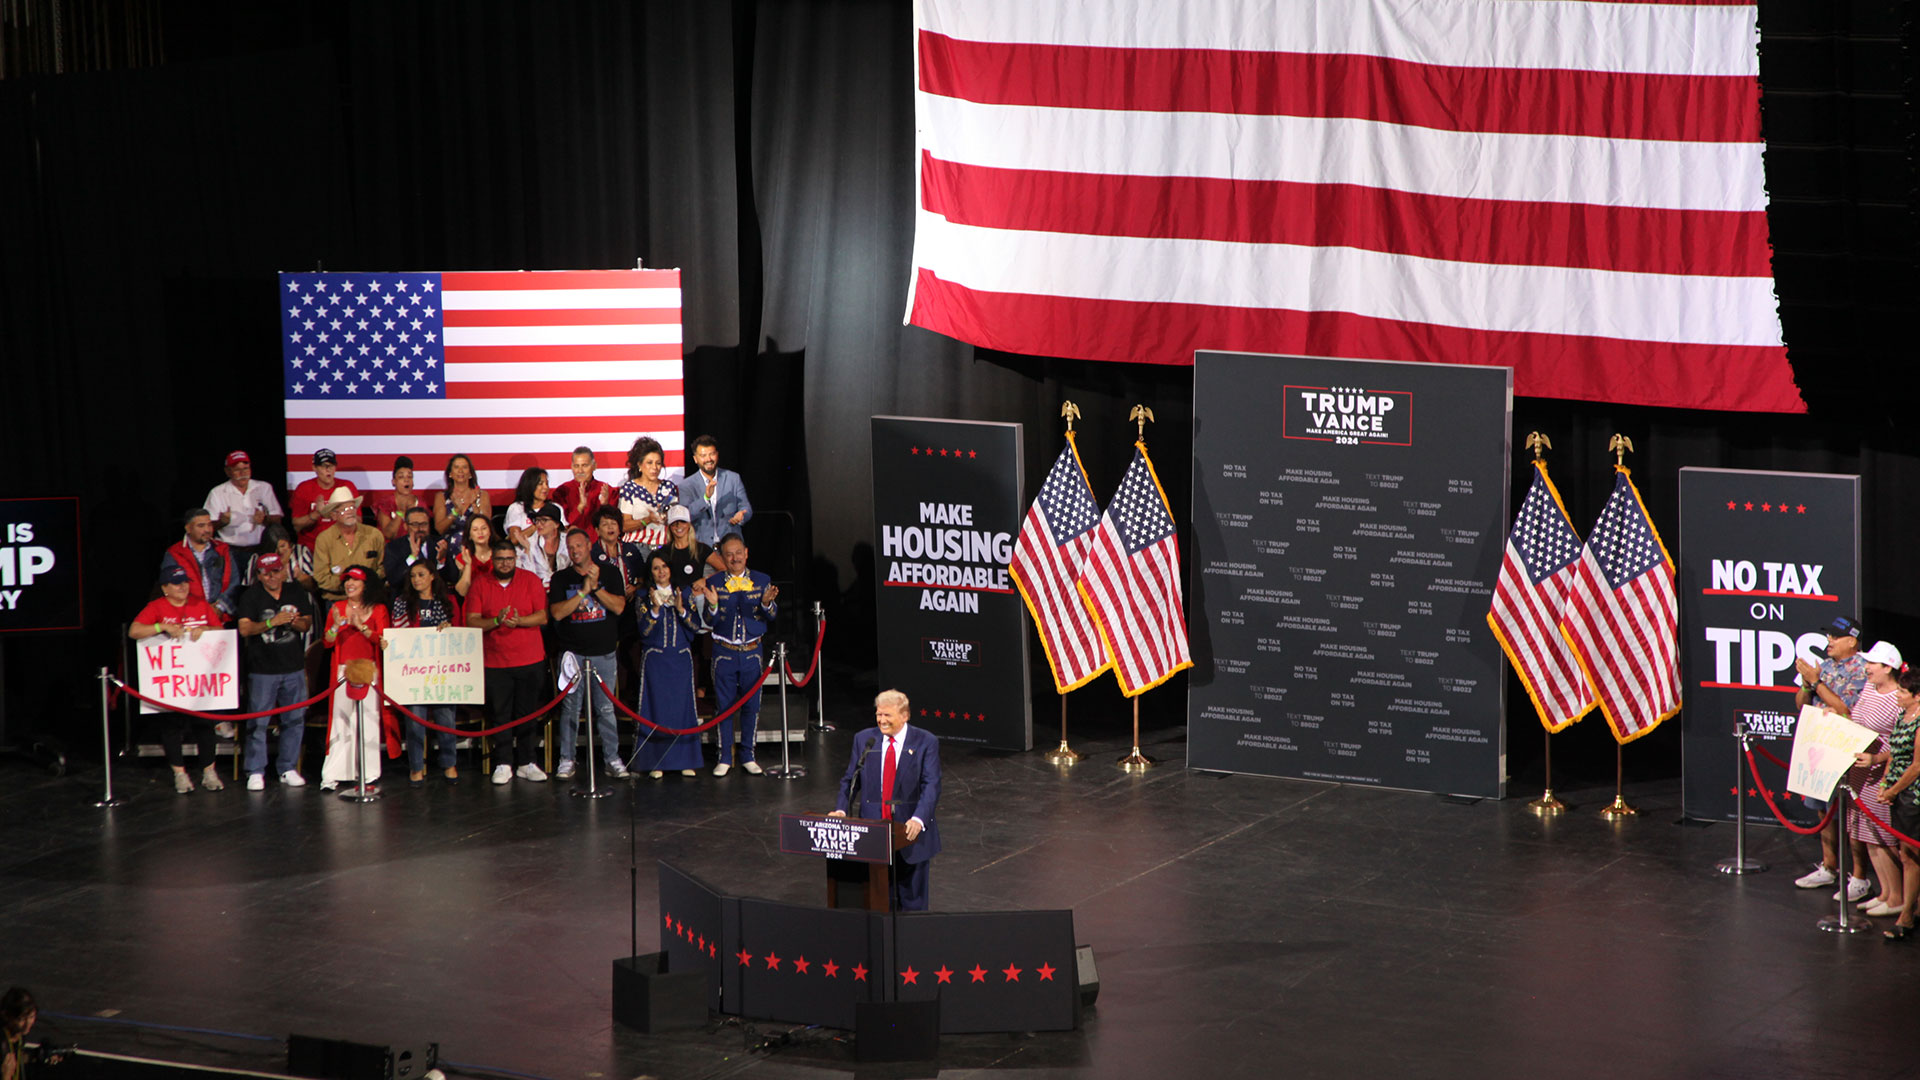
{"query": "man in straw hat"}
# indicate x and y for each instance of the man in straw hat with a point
(349, 543)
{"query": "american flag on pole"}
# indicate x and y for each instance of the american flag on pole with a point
(1623, 619)
(1531, 597)
(1047, 562)
(1132, 582)
(1572, 189)
(513, 369)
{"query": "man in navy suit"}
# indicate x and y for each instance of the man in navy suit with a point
(897, 767)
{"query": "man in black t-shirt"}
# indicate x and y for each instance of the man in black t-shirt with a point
(585, 611)
(275, 615)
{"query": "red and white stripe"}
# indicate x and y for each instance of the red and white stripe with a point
(1527, 617)
(1045, 572)
(537, 363)
(1574, 188)
(1628, 641)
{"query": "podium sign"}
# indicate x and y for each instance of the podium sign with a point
(1766, 559)
(828, 837)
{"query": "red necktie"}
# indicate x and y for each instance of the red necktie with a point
(886, 783)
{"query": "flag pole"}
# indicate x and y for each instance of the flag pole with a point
(1137, 762)
(1546, 805)
(1064, 754)
(1619, 808)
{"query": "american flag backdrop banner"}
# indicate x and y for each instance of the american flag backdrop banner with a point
(1047, 562)
(513, 369)
(1573, 189)
(1131, 581)
(1623, 619)
(1530, 599)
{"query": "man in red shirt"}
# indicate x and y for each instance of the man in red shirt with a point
(306, 500)
(582, 497)
(178, 614)
(511, 606)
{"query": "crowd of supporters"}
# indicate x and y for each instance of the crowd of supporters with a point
(646, 584)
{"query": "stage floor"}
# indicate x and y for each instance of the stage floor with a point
(1242, 927)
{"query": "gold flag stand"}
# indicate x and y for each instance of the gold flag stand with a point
(1064, 754)
(1619, 808)
(1137, 762)
(1546, 805)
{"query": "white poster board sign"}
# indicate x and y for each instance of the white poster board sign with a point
(201, 675)
(1823, 747)
(441, 666)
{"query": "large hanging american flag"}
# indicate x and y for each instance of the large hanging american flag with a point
(1132, 582)
(513, 369)
(1623, 619)
(1531, 597)
(1048, 560)
(1573, 189)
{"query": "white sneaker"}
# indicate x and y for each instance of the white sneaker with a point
(1820, 876)
(532, 773)
(182, 784)
(291, 778)
(565, 769)
(257, 781)
(689, 772)
(1857, 889)
(210, 779)
(721, 769)
(655, 774)
(617, 770)
(502, 774)
(753, 767)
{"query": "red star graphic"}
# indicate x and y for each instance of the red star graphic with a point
(944, 975)
(1800, 509)
(713, 948)
(830, 969)
(973, 454)
(936, 713)
(943, 451)
(859, 973)
(913, 449)
(1012, 973)
(966, 716)
(800, 965)
(1730, 506)
(1733, 791)
(923, 712)
(1749, 506)
(703, 943)
(910, 977)
(669, 919)
(979, 973)
(1751, 791)
(1783, 508)
(1766, 506)
(1045, 971)
(956, 451)
(980, 716)
(773, 962)
(744, 956)
(929, 451)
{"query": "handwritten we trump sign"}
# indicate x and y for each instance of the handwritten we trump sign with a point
(201, 675)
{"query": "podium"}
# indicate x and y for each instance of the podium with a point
(858, 853)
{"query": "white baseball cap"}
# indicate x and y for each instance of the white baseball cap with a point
(1883, 652)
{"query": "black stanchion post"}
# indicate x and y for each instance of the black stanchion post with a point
(1740, 864)
(106, 801)
(1846, 922)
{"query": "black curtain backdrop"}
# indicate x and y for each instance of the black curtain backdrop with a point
(766, 149)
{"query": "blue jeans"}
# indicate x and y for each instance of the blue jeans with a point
(442, 741)
(273, 692)
(604, 669)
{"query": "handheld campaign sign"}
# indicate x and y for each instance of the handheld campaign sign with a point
(1823, 747)
(202, 675)
(441, 666)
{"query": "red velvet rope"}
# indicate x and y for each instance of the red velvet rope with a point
(1754, 767)
(483, 732)
(708, 726)
(814, 666)
(1765, 754)
(1875, 818)
(315, 699)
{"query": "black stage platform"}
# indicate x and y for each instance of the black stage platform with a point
(1243, 927)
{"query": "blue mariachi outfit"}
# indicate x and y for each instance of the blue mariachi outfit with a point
(666, 688)
(916, 794)
(736, 627)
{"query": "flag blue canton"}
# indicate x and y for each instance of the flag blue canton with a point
(1622, 540)
(1546, 542)
(362, 336)
(1138, 510)
(1067, 500)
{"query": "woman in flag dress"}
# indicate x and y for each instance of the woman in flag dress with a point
(356, 629)
(645, 498)
(667, 627)
(1877, 709)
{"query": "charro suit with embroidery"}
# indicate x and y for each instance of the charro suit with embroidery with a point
(736, 626)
